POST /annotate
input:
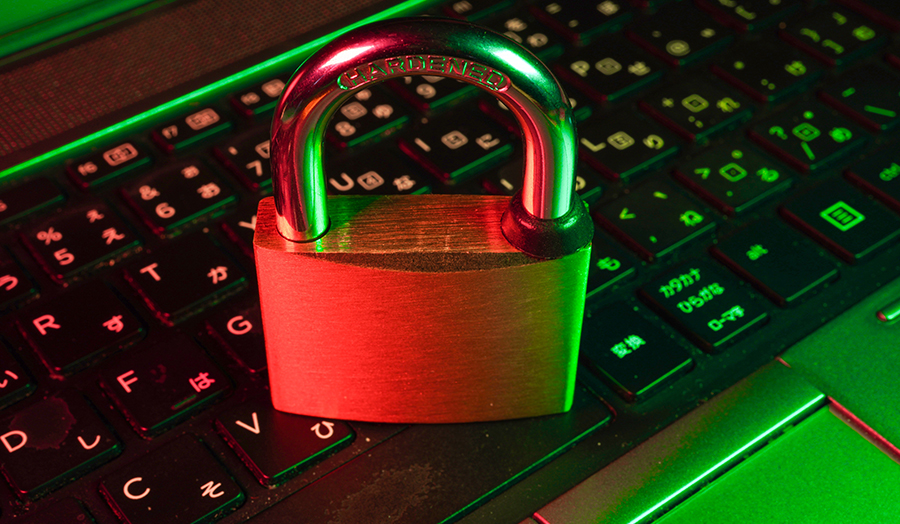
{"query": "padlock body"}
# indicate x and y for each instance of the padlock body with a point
(415, 309)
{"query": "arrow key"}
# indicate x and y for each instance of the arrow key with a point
(255, 430)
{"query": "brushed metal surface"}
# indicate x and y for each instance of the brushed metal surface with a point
(461, 327)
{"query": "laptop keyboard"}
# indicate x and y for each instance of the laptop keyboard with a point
(738, 160)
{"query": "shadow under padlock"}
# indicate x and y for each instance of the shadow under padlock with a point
(426, 308)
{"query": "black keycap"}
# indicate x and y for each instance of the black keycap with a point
(19, 201)
(172, 198)
(581, 20)
(609, 266)
(624, 144)
(375, 172)
(508, 179)
(427, 93)
(697, 109)
(15, 382)
(241, 225)
(247, 156)
(52, 443)
(842, 219)
(238, 328)
(180, 483)
(750, 15)
(884, 12)
(16, 286)
(65, 511)
(870, 95)
(369, 115)
(834, 35)
(610, 69)
(261, 99)
(633, 356)
(161, 385)
(767, 69)
(706, 303)
(186, 131)
(180, 278)
(879, 174)
(733, 179)
(107, 165)
(776, 261)
(275, 445)
(528, 31)
(79, 327)
(809, 136)
(457, 146)
(655, 219)
(680, 34)
(80, 240)
(475, 9)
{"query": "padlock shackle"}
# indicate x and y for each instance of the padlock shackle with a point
(422, 46)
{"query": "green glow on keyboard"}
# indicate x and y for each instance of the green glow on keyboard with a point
(775, 427)
(281, 60)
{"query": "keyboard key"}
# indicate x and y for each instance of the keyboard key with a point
(508, 181)
(707, 304)
(247, 157)
(526, 30)
(53, 442)
(623, 144)
(261, 99)
(369, 115)
(842, 219)
(428, 92)
(180, 278)
(655, 219)
(733, 180)
(172, 198)
(697, 109)
(767, 70)
(103, 166)
(79, 327)
(159, 386)
(16, 286)
(884, 12)
(633, 356)
(581, 20)
(750, 15)
(456, 146)
(878, 174)
(15, 382)
(80, 240)
(776, 261)
(834, 35)
(275, 445)
(19, 201)
(179, 483)
(680, 34)
(375, 172)
(238, 328)
(65, 511)
(241, 225)
(869, 95)
(610, 69)
(475, 9)
(609, 266)
(184, 132)
(809, 136)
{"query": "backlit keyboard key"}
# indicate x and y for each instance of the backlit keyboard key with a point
(834, 35)
(376, 172)
(879, 174)
(16, 286)
(182, 277)
(869, 96)
(427, 93)
(370, 115)
(159, 386)
(53, 442)
(625, 144)
(186, 131)
(80, 240)
(581, 20)
(238, 328)
(655, 219)
(609, 266)
(103, 166)
(842, 219)
(15, 382)
(776, 261)
(17, 202)
(526, 30)
(680, 34)
(261, 99)
(706, 303)
(275, 445)
(79, 327)
(768, 70)
(750, 15)
(634, 356)
(247, 157)
(179, 483)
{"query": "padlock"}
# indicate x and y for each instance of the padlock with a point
(426, 308)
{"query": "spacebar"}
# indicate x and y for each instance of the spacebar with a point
(435, 473)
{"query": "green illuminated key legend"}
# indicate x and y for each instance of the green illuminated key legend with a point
(842, 216)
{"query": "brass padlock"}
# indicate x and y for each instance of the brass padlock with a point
(431, 308)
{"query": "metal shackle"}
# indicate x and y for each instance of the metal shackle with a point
(545, 219)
